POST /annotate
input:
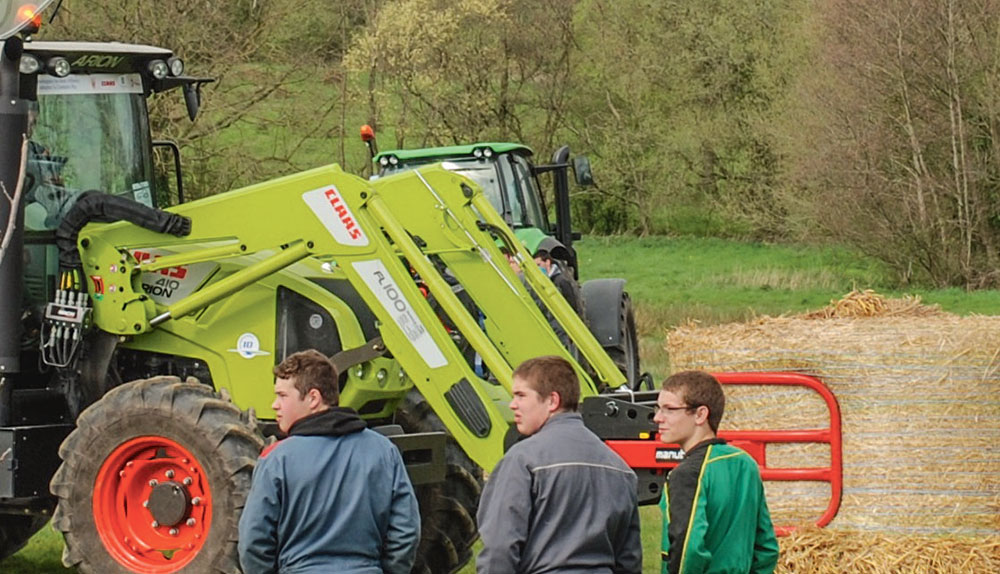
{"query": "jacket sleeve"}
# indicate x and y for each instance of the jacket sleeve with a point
(258, 543)
(403, 535)
(503, 517)
(765, 550)
(628, 549)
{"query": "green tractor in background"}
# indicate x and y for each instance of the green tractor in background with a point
(138, 335)
(509, 180)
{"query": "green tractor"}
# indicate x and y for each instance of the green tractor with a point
(138, 337)
(510, 181)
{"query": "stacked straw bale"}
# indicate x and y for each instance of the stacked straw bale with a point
(919, 392)
(814, 551)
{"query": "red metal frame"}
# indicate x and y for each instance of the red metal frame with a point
(641, 454)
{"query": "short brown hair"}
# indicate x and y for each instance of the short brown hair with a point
(698, 388)
(311, 369)
(552, 374)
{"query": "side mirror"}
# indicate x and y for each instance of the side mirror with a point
(581, 168)
(192, 98)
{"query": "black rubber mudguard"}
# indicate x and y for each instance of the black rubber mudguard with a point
(602, 304)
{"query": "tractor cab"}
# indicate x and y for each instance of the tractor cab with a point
(509, 180)
(503, 170)
(88, 125)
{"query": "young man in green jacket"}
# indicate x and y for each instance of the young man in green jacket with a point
(715, 517)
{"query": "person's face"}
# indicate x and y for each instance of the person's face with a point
(531, 409)
(675, 422)
(512, 262)
(544, 265)
(290, 406)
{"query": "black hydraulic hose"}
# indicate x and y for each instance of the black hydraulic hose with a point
(104, 208)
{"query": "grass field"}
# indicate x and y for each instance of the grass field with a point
(677, 280)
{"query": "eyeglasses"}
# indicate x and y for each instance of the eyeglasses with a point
(684, 408)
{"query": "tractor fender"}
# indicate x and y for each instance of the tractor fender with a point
(602, 305)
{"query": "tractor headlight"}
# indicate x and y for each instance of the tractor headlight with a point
(29, 64)
(383, 161)
(158, 69)
(176, 66)
(478, 152)
(393, 160)
(59, 67)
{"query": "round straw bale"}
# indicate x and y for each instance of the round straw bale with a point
(919, 393)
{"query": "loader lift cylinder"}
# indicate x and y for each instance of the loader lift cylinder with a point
(13, 121)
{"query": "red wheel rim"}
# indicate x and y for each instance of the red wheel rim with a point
(126, 525)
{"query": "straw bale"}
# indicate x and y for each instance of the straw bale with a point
(829, 551)
(919, 393)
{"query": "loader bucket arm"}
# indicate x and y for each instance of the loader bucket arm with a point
(429, 222)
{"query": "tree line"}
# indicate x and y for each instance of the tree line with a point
(873, 124)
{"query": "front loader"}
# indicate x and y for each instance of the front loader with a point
(137, 339)
(508, 176)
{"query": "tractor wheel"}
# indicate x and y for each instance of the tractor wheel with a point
(626, 353)
(154, 479)
(447, 510)
(15, 531)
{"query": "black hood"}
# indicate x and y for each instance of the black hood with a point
(335, 421)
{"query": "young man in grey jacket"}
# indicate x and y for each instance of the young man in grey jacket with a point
(560, 500)
(332, 497)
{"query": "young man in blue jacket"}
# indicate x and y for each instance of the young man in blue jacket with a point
(332, 497)
(715, 517)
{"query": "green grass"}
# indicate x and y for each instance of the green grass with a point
(673, 281)
(41, 556)
(711, 281)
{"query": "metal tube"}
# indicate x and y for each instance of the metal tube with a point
(225, 287)
(13, 124)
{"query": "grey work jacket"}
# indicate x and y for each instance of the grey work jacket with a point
(560, 501)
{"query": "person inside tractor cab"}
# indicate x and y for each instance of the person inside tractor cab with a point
(45, 193)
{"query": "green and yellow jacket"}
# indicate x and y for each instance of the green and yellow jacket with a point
(715, 517)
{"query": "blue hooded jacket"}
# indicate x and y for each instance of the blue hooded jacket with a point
(332, 497)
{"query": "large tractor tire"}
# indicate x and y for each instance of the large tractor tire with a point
(154, 479)
(15, 531)
(447, 510)
(626, 353)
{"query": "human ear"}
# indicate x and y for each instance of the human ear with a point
(555, 402)
(315, 398)
(701, 414)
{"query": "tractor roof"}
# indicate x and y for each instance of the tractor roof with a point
(128, 57)
(109, 58)
(455, 151)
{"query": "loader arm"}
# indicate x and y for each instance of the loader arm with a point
(429, 223)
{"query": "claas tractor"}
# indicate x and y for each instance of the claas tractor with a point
(138, 335)
(510, 180)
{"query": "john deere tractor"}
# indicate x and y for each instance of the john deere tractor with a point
(137, 338)
(509, 179)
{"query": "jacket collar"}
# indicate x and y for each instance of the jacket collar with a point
(334, 421)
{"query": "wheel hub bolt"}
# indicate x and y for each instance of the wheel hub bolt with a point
(145, 504)
(188, 481)
(154, 482)
(196, 500)
(155, 524)
(170, 474)
(173, 532)
(191, 521)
